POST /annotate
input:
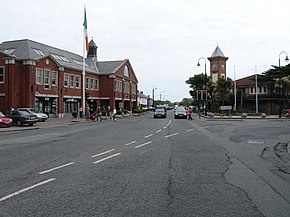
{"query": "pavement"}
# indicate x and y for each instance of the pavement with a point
(52, 122)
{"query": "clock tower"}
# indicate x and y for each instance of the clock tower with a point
(218, 67)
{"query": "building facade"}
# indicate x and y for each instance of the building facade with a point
(50, 79)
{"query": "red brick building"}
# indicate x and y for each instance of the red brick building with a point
(50, 79)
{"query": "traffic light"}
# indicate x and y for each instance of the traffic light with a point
(204, 94)
(199, 97)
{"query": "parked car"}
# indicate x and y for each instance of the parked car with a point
(41, 116)
(22, 117)
(5, 121)
(160, 112)
(180, 112)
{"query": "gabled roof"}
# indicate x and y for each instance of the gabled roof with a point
(109, 67)
(217, 53)
(30, 50)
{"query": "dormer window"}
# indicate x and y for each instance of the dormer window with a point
(126, 71)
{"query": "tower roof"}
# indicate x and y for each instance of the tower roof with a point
(217, 52)
(93, 44)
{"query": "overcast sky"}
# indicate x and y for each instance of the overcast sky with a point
(163, 39)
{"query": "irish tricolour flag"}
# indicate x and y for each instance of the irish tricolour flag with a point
(86, 31)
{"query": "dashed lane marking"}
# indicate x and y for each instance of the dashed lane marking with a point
(130, 143)
(174, 134)
(26, 189)
(138, 146)
(106, 158)
(148, 136)
(55, 168)
(106, 152)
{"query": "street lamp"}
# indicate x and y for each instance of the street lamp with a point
(154, 88)
(202, 58)
(280, 94)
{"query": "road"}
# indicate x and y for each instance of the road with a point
(147, 167)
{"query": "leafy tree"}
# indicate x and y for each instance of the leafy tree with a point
(223, 88)
(197, 81)
(185, 102)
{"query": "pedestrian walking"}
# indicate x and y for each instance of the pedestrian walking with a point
(99, 114)
(189, 113)
(114, 115)
(81, 112)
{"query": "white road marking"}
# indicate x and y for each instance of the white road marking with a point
(171, 135)
(143, 152)
(158, 131)
(55, 168)
(130, 143)
(190, 130)
(148, 136)
(103, 153)
(106, 158)
(25, 189)
(138, 146)
(255, 142)
(164, 127)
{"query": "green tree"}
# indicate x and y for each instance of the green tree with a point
(186, 102)
(223, 88)
(197, 81)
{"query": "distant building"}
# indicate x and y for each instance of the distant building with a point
(218, 68)
(143, 100)
(50, 79)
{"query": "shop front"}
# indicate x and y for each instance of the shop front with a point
(47, 104)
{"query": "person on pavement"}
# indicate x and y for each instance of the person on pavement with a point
(114, 114)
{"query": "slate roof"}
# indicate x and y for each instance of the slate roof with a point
(217, 53)
(26, 49)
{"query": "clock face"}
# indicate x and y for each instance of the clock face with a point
(214, 67)
(222, 67)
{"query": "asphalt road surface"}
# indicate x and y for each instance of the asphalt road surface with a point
(142, 166)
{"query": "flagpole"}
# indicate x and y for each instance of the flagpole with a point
(235, 87)
(84, 77)
(84, 62)
(256, 78)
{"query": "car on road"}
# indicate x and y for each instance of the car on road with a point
(22, 117)
(160, 112)
(180, 112)
(41, 116)
(5, 121)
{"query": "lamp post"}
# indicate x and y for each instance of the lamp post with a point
(280, 94)
(204, 102)
(202, 58)
(154, 88)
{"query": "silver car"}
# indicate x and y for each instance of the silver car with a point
(160, 112)
(41, 116)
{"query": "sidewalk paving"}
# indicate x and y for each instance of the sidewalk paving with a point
(50, 122)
